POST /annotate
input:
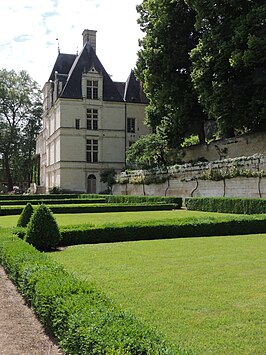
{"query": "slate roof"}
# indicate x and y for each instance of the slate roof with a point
(62, 64)
(133, 90)
(68, 69)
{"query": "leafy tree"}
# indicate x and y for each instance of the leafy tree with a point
(108, 177)
(164, 67)
(20, 117)
(25, 215)
(229, 71)
(42, 231)
(149, 151)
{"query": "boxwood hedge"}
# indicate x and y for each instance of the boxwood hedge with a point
(227, 205)
(196, 227)
(97, 208)
(81, 317)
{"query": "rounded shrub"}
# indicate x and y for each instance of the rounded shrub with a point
(25, 215)
(42, 231)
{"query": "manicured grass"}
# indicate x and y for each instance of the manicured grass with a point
(115, 217)
(207, 294)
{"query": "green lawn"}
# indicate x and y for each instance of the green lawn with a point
(115, 217)
(207, 294)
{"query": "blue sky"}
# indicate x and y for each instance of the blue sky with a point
(29, 30)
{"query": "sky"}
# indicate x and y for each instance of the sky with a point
(32, 30)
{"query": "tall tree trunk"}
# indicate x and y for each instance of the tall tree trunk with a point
(8, 173)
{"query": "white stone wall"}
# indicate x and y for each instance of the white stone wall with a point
(236, 187)
(193, 180)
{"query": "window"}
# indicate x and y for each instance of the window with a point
(92, 89)
(131, 122)
(92, 150)
(77, 124)
(92, 119)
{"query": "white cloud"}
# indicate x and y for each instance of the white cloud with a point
(29, 30)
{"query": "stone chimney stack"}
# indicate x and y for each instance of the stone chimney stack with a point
(89, 36)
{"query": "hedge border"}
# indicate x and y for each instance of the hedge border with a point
(227, 205)
(6, 211)
(156, 230)
(82, 318)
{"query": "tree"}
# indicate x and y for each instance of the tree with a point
(148, 152)
(108, 177)
(20, 117)
(229, 70)
(164, 67)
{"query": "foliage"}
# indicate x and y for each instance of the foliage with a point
(20, 122)
(42, 231)
(136, 199)
(227, 205)
(37, 197)
(151, 230)
(108, 177)
(164, 67)
(83, 320)
(148, 152)
(25, 216)
(229, 63)
(189, 141)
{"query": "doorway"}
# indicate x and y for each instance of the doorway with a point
(91, 184)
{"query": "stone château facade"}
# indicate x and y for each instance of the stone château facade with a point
(89, 121)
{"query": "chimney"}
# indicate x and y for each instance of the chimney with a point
(89, 36)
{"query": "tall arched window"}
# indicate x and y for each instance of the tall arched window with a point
(91, 184)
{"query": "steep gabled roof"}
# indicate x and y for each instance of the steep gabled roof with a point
(62, 64)
(134, 91)
(83, 63)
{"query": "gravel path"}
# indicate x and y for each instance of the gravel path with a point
(20, 331)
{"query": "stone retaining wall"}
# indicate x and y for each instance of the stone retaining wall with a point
(240, 177)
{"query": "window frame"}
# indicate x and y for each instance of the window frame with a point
(131, 125)
(92, 150)
(92, 119)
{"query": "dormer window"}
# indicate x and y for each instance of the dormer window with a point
(92, 89)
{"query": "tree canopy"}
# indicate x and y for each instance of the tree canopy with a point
(20, 122)
(164, 67)
(229, 62)
(148, 152)
(202, 60)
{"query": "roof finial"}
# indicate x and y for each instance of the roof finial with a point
(58, 45)
(77, 52)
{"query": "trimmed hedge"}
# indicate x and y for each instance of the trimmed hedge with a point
(38, 197)
(5, 211)
(227, 205)
(25, 216)
(51, 201)
(138, 199)
(197, 227)
(81, 317)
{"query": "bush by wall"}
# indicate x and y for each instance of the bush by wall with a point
(196, 227)
(83, 319)
(25, 216)
(227, 205)
(139, 199)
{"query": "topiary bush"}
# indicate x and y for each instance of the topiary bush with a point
(25, 215)
(43, 232)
